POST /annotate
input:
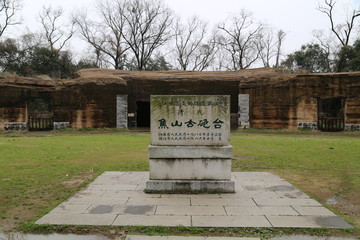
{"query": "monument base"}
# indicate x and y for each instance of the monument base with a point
(189, 186)
(190, 169)
(190, 163)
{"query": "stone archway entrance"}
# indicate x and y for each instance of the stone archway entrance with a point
(40, 114)
(331, 114)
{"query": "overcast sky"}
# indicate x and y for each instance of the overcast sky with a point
(298, 18)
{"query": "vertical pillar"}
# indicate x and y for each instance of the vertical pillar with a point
(244, 110)
(121, 111)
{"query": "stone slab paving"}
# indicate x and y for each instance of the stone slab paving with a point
(261, 200)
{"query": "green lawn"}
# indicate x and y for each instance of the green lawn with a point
(40, 171)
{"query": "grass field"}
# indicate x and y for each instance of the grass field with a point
(40, 171)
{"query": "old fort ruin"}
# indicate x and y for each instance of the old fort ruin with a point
(260, 98)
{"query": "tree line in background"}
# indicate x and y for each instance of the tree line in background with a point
(147, 35)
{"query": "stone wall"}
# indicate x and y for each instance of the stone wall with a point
(87, 106)
(273, 99)
(80, 103)
(291, 101)
(13, 102)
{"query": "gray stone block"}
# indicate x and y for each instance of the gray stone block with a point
(286, 202)
(230, 221)
(190, 169)
(245, 202)
(61, 125)
(77, 219)
(174, 186)
(308, 221)
(17, 126)
(191, 210)
(121, 111)
(190, 152)
(152, 220)
(260, 211)
(158, 202)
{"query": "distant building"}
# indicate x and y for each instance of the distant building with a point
(260, 98)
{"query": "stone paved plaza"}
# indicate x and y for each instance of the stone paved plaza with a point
(261, 200)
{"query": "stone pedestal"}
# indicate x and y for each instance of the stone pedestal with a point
(190, 169)
(190, 149)
(190, 162)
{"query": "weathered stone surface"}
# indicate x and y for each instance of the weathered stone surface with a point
(287, 100)
(152, 220)
(158, 201)
(196, 169)
(276, 99)
(134, 207)
(75, 219)
(244, 111)
(190, 142)
(17, 126)
(308, 222)
(61, 125)
(190, 152)
(121, 111)
(173, 186)
(258, 211)
(243, 202)
(286, 202)
(191, 210)
(190, 120)
(230, 221)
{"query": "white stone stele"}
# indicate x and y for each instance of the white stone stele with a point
(190, 149)
(121, 111)
(190, 120)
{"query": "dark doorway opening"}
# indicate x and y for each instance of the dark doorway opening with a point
(331, 114)
(40, 114)
(143, 114)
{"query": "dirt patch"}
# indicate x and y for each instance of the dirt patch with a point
(77, 181)
(328, 190)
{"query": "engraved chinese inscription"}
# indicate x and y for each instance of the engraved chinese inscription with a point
(190, 120)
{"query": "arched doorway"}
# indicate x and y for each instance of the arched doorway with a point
(331, 114)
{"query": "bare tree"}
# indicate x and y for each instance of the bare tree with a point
(280, 37)
(269, 46)
(206, 54)
(192, 50)
(147, 27)
(221, 59)
(239, 40)
(327, 45)
(342, 31)
(128, 29)
(8, 9)
(105, 36)
(266, 46)
(55, 31)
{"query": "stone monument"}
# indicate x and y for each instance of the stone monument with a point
(190, 150)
